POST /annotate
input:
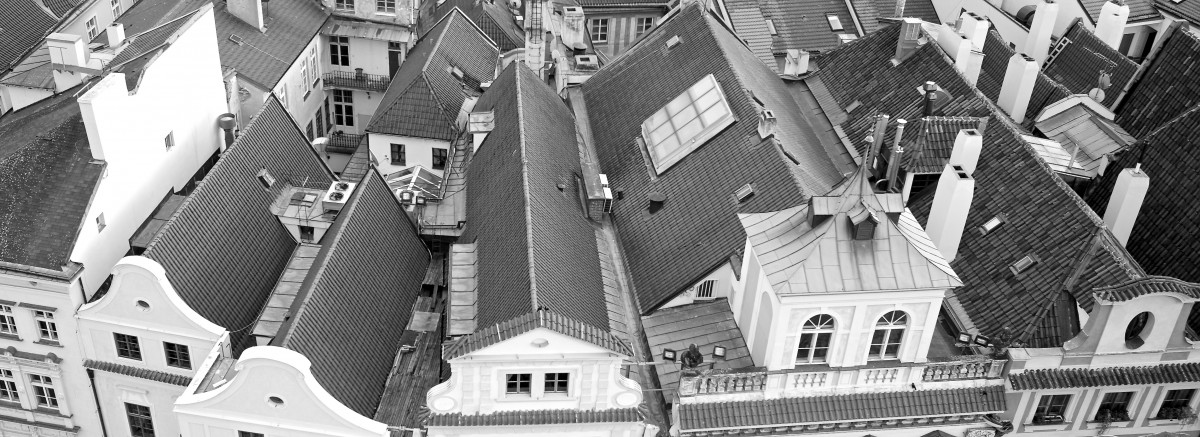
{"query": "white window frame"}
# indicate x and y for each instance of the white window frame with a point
(888, 329)
(343, 5)
(685, 145)
(816, 330)
(641, 25)
(339, 51)
(179, 353)
(46, 326)
(518, 394)
(92, 29)
(570, 385)
(8, 384)
(599, 28)
(43, 388)
(343, 107)
(131, 340)
(537, 383)
(116, 8)
(8, 321)
(130, 415)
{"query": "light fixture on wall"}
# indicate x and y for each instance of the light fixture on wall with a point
(719, 352)
(964, 337)
(983, 341)
(669, 355)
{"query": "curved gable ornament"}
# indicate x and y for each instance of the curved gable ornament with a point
(141, 291)
(275, 386)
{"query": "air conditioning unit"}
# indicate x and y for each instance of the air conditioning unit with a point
(587, 62)
(335, 198)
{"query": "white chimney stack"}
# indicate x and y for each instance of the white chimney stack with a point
(479, 125)
(69, 51)
(250, 11)
(951, 204)
(1017, 88)
(1037, 44)
(115, 34)
(910, 32)
(1126, 201)
(796, 62)
(967, 147)
(975, 28)
(1111, 25)
(899, 9)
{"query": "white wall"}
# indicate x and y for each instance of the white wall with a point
(726, 281)
(418, 151)
(101, 10)
(304, 93)
(15, 97)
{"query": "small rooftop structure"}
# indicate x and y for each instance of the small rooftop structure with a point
(1085, 135)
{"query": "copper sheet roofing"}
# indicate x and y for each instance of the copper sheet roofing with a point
(490, 335)
(840, 408)
(1052, 379)
(706, 324)
(536, 417)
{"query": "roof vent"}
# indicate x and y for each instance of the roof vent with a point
(587, 62)
(1023, 264)
(236, 39)
(744, 193)
(766, 123)
(456, 72)
(674, 41)
(337, 195)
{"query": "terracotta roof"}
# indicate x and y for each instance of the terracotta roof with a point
(424, 98)
(349, 316)
(1080, 59)
(25, 25)
(493, 17)
(536, 417)
(750, 24)
(698, 216)
(1166, 225)
(996, 54)
(1052, 379)
(1139, 10)
(536, 248)
(1160, 96)
(49, 176)
(1148, 285)
(61, 7)
(138, 372)
(706, 324)
(263, 57)
(1044, 216)
(840, 408)
(224, 249)
(491, 335)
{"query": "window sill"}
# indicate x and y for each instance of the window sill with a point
(509, 397)
(12, 337)
(1160, 422)
(12, 405)
(1035, 427)
(49, 343)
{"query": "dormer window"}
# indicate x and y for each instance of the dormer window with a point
(688, 121)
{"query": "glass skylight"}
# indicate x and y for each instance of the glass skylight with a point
(688, 121)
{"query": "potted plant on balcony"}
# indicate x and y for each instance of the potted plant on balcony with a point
(1183, 414)
(1105, 419)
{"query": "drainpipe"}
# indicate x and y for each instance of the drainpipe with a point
(96, 395)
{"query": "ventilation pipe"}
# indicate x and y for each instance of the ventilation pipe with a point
(893, 168)
(1017, 89)
(1037, 44)
(1111, 26)
(227, 122)
(1126, 202)
(930, 97)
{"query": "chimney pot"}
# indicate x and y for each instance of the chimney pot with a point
(951, 205)
(893, 168)
(1126, 201)
(1114, 16)
(967, 147)
(975, 28)
(1037, 44)
(796, 63)
(1017, 87)
(910, 32)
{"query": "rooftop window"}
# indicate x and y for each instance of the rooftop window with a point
(835, 23)
(992, 224)
(688, 121)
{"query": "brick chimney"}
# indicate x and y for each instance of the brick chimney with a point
(1017, 88)
(250, 11)
(1037, 44)
(910, 32)
(1111, 25)
(951, 204)
(796, 63)
(67, 50)
(115, 34)
(1126, 201)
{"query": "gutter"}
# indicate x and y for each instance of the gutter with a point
(96, 395)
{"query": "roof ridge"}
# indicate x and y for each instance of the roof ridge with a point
(525, 183)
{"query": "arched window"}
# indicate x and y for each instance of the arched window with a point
(815, 337)
(889, 330)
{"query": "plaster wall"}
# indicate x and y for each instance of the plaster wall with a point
(418, 151)
(301, 84)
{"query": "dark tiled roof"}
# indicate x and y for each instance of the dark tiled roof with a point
(536, 248)
(996, 55)
(1052, 379)
(1186, 10)
(61, 7)
(1077, 66)
(138, 372)
(143, 16)
(803, 24)
(929, 141)
(699, 215)
(1045, 218)
(706, 324)
(39, 76)
(536, 417)
(1160, 96)
(1166, 225)
(491, 335)
(424, 98)
(23, 25)
(224, 250)
(922, 9)
(356, 302)
(1139, 10)
(1148, 285)
(839, 408)
(263, 58)
(750, 25)
(493, 17)
(48, 175)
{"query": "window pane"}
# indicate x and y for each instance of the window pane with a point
(690, 130)
(714, 114)
(823, 339)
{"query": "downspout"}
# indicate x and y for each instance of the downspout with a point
(96, 395)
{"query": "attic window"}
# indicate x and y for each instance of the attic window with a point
(744, 193)
(835, 23)
(844, 38)
(686, 122)
(1023, 264)
(456, 72)
(863, 221)
(771, 27)
(992, 224)
(265, 178)
(674, 41)
(235, 38)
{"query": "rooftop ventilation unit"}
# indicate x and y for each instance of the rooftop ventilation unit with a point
(587, 62)
(337, 195)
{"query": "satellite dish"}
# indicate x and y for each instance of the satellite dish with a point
(1096, 94)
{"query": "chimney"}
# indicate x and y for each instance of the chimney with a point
(1126, 201)
(115, 34)
(967, 146)
(1037, 44)
(766, 123)
(228, 122)
(975, 28)
(1017, 88)
(66, 50)
(796, 63)
(951, 204)
(893, 168)
(899, 9)
(479, 124)
(910, 31)
(250, 11)
(930, 97)
(1111, 25)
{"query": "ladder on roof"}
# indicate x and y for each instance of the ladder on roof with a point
(1058, 48)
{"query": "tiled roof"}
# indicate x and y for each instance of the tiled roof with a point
(928, 141)
(1044, 217)
(1139, 10)
(698, 216)
(536, 417)
(1081, 58)
(49, 176)
(1186, 10)
(493, 17)
(840, 408)
(706, 324)
(1052, 379)
(1148, 285)
(224, 250)
(40, 76)
(923, 9)
(536, 248)
(138, 372)
(1166, 226)
(1160, 96)
(424, 98)
(491, 335)
(803, 24)
(750, 25)
(61, 7)
(143, 16)
(996, 54)
(261, 57)
(802, 257)
(356, 302)
(23, 25)
(140, 50)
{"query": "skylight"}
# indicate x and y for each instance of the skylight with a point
(688, 121)
(835, 23)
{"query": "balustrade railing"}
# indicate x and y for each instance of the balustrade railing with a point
(344, 143)
(359, 81)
